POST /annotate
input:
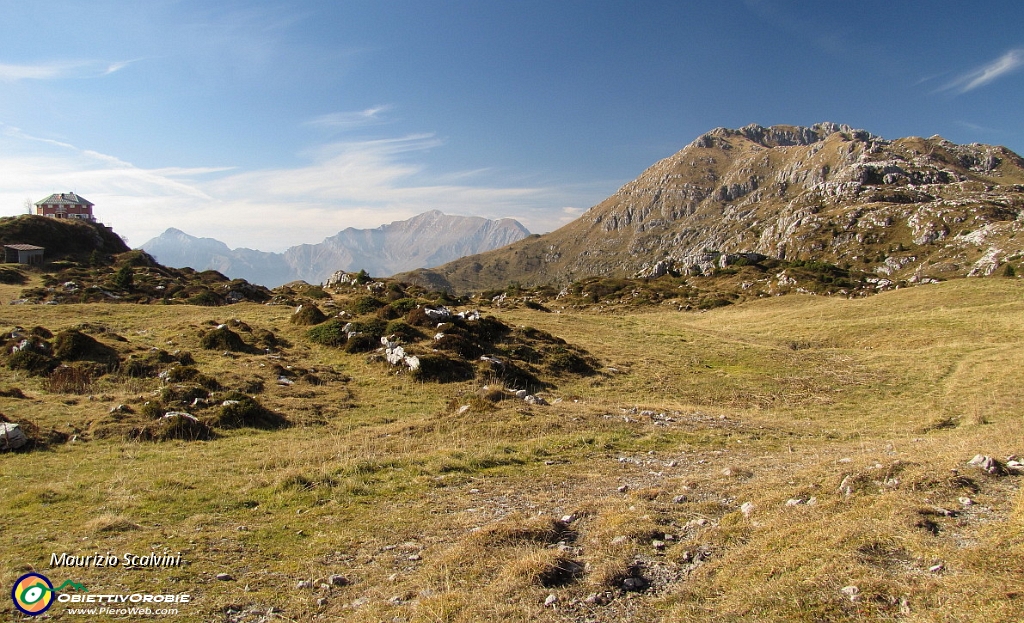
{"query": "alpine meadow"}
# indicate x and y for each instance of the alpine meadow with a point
(776, 377)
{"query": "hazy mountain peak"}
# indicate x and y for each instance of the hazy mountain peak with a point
(425, 240)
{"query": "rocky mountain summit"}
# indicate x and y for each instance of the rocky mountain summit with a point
(909, 209)
(426, 240)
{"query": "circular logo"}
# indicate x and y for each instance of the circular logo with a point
(32, 594)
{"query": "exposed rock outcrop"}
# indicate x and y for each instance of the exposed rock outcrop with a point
(906, 208)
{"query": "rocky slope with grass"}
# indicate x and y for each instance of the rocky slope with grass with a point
(909, 209)
(426, 240)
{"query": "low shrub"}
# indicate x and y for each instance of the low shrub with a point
(388, 312)
(404, 305)
(241, 411)
(184, 394)
(12, 277)
(366, 305)
(174, 426)
(330, 333)
(403, 331)
(181, 374)
(222, 338)
(205, 298)
(73, 345)
(137, 369)
(152, 409)
(36, 364)
(308, 314)
(362, 344)
(460, 345)
(562, 360)
(443, 369)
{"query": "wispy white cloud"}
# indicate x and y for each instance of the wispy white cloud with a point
(349, 120)
(987, 73)
(60, 69)
(41, 71)
(341, 184)
(118, 66)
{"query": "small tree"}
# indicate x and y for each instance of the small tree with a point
(124, 278)
(1008, 271)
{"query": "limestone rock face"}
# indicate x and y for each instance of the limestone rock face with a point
(827, 192)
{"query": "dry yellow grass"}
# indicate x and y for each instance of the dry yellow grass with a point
(437, 515)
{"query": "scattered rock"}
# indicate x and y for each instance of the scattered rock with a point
(338, 580)
(988, 465)
(599, 599)
(11, 436)
(635, 584)
(623, 489)
(225, 577)
(747, 508)
(304, 584)
(551, 600)
(852, 592)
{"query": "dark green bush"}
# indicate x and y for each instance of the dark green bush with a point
(73, 345)
(362, 344)
(184, 394)
(402, 331)
(460, 345)
(245, 411)
(174, 427)
(443, 369)
(388, 312)
(222, 338)
(11, 276)
(373, 327)
(330, 333)
(152, 409)
(137, 369)
(366, 305)
(124, 278)
(404, 305)
(32, 362)
(205, 298)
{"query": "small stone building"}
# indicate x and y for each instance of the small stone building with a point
(23, 254)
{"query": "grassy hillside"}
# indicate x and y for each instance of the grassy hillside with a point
(793, 458)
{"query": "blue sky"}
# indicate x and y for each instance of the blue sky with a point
(268, 124)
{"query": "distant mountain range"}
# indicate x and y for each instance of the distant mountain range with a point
(907, 209)
(426, 240)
